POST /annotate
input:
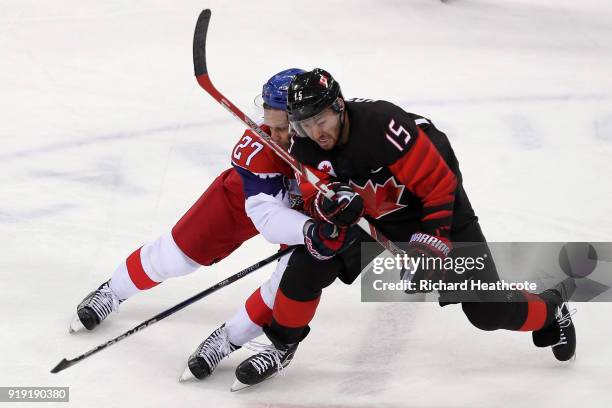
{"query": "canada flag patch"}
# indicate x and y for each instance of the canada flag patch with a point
(326, 167)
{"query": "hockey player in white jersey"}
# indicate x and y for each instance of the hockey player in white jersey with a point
(259, 187)
(273, 202)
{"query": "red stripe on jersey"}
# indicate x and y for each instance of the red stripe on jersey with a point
(425, 173)
(536, 312)
(137, 273)
(258, 311)
(293, 313)
(438, 214)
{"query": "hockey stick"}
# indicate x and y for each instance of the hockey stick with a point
(201, 73)
(64, 364)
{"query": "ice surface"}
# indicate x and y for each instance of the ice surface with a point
(107, 140)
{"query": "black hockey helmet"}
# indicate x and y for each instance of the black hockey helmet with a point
(310, 93)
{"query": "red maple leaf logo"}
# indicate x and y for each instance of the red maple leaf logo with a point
(382, 199)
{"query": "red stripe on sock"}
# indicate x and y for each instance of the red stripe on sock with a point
(258, 311)
(536, 313)
(137, 273)
(292, 313)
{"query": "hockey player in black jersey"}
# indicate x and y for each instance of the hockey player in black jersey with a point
(400, 172)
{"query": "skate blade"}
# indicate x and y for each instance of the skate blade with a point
(237, 386)
(75, 325)
(187, 375)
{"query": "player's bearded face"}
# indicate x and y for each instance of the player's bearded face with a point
(279, 126)
(323, 128)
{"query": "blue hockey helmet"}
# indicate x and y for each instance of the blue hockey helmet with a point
(274, 92)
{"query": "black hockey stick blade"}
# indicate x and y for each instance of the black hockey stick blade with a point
(199, 43)
(62, 365)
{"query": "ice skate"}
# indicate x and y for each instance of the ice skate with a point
(561, 334)
(264, 365)
(94, 308)
(207, 356)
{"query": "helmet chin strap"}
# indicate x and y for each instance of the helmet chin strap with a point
(341, 118)
(340, 111)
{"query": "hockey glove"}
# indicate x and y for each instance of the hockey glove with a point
(344, 209)
(427, 253)
(324, 240)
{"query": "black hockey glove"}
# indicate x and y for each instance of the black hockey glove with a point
(324, 240)
(427, 253)
(344, 209)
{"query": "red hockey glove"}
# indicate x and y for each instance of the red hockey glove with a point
(344, 209)
(324, 240)
(428, 253)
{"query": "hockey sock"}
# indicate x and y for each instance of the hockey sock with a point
(246, 324)
(538, 314)
(523, 311)
(150, 265)
(291, 317)
(130, 278)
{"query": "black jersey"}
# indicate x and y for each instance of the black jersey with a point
(402, 166)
